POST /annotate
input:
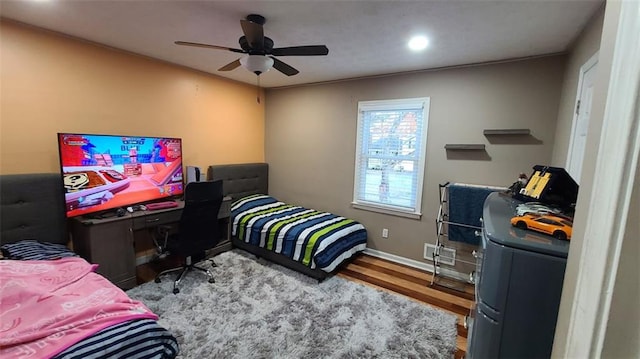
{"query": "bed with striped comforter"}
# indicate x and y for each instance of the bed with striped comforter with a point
(315, 239)
(139, 338)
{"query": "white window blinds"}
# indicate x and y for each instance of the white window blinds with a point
(390, 157)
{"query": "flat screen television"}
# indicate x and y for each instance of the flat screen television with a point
(104, 172)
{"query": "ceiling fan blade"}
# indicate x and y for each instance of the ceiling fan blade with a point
(311, 50)
(284, 68)
(254, 34)
(207, 46)
(230, 66)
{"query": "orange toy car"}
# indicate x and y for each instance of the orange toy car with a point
(556, 226)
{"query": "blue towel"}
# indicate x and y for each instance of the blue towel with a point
(465, 207)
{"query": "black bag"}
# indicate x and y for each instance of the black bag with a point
(551, 186)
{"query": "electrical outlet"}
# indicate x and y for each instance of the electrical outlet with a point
(385, 233)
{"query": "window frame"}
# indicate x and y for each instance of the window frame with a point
(405, 103)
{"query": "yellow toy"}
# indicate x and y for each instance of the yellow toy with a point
(559, 227)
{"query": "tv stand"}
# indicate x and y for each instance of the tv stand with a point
(110, 241)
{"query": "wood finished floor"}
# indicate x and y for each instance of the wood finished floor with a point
(415, 284)
(379, 273)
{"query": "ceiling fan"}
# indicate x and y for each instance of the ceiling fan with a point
(259, 51)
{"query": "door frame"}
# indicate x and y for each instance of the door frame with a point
(593, 60)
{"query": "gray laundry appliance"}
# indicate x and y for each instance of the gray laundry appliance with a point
(518, 279)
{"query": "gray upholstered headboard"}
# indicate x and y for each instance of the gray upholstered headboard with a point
(32, 206)
(241, 179)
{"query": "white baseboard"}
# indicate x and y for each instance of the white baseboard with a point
(417, 264)
(144, 259)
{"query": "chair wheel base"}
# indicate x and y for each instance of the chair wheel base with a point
(211, 280)
(176, 290)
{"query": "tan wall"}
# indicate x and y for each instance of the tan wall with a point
(588, 168)
(311, 133)
(50, 84)
(585, 46)
(621, 339)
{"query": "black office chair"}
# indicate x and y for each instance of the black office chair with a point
(198, 228)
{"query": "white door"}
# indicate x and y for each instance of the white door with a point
(581, 117)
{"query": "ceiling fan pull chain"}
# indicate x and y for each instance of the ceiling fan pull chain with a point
(258, 88)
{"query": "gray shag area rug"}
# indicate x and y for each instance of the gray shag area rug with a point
(257, 309)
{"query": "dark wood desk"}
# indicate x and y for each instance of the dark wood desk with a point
(111, 242)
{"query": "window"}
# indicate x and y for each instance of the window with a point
(390, 155)
(547, 221)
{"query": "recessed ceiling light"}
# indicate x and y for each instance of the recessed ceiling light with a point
(418, 43)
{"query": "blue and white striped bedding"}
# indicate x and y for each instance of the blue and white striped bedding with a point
(30, 249)
(139, 339)
(316, 239)
(136, 339)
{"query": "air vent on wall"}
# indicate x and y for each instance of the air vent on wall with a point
(446, 255)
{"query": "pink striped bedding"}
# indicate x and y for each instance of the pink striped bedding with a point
(48, 305)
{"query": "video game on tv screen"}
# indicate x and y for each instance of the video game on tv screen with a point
(102, 172)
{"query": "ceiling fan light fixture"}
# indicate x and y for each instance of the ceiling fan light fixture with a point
(256, 63)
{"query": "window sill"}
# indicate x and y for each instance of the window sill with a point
(388, 211)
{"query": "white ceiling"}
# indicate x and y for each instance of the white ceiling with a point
(365, 38)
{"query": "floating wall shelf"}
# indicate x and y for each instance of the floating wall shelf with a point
(519, 132)
(464, 147)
